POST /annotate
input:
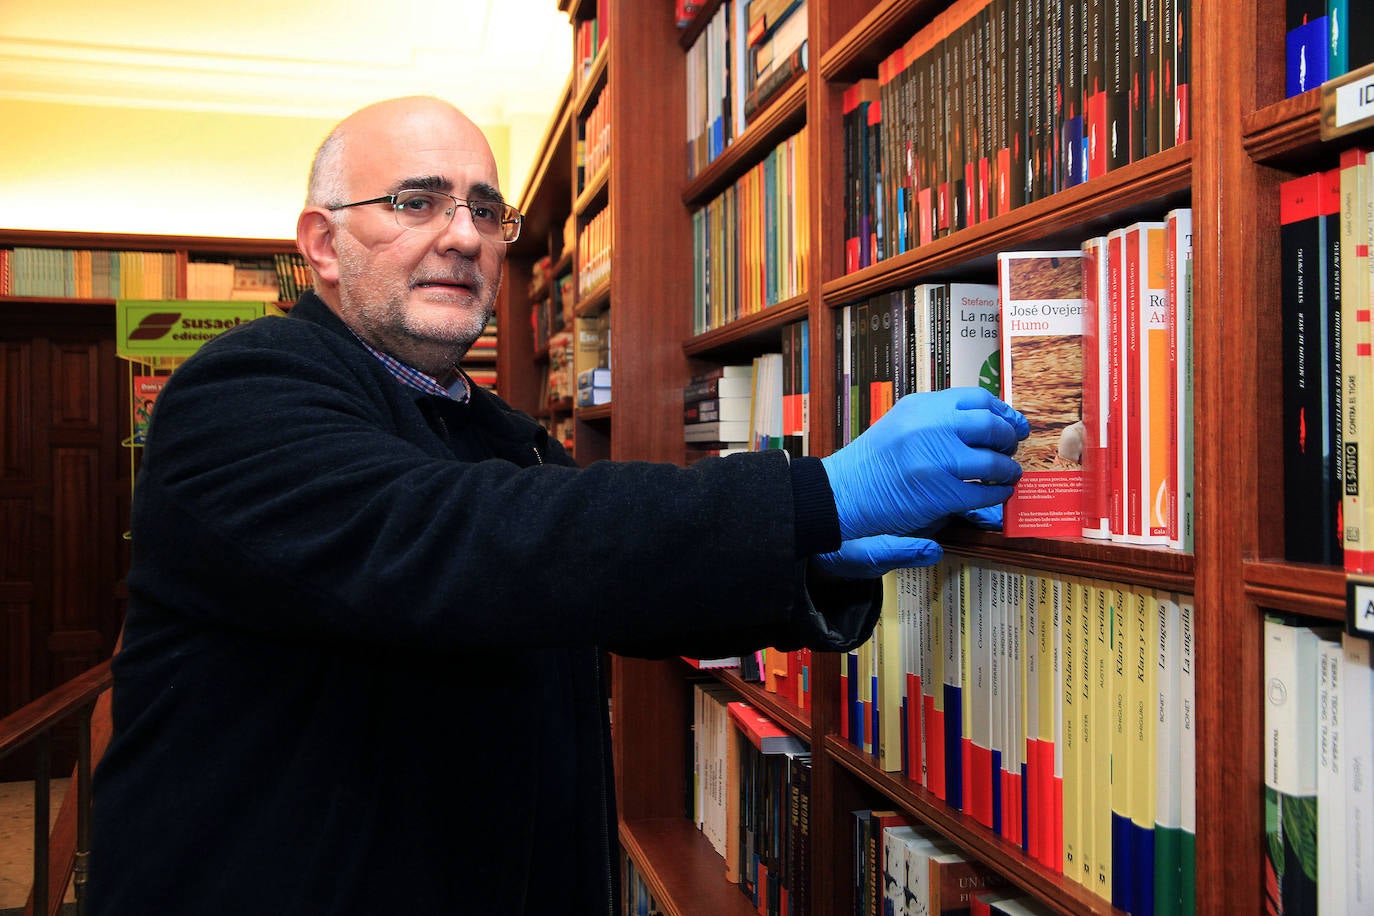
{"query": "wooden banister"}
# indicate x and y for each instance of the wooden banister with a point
(60, 852)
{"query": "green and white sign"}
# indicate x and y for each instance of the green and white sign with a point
(177, 327)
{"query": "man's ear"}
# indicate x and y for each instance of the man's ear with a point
(315, 239)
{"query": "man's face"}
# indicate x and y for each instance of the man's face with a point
(423, 297)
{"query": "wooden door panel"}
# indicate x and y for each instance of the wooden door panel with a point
(62, 511)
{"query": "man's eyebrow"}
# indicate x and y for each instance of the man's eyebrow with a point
(423, 183)
(484, 191)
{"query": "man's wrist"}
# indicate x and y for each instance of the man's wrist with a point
(817, 523)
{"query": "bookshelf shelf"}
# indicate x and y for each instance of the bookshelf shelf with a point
(880, 32)
(684, 873)
(594, 302)
(750, 331)
(1156, 567)
(1148, 186)
(595, 81)
(593, 196)
(786, 713)
(697, 24)
(784, 116)
(1060, 894)
(1300, 588)
(599, 414)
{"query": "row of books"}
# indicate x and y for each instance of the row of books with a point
(551, 313)
(85, 274)
(903, 868)
(751, 798)
(1318, 749)
(745, 54)
(636, 897)
(594, 253)
(754, 406)
(594, 139)
(1092, 344)
(575, 351)
(749, 244)
(997, 103)
(78, 273)
(1056, 711)
(1326, 229)
(589, 37)
(1325, 39)
(1096, 351)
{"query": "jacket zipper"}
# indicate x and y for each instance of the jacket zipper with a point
(539, 459)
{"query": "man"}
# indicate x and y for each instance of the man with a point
(361, 670)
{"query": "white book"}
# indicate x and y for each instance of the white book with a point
(1330, 780)
(1179, 245)
(1168, 739)
(974, 336)
(895, 841)
(1357, 736)
(1187, 755)
(1290, 747)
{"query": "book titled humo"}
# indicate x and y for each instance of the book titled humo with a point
(1042, 376)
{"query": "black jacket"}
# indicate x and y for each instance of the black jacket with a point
(361, 669)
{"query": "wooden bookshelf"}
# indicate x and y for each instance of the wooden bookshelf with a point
(1246, 138)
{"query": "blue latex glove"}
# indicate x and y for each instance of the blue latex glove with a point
(869, 558)
(933, 455)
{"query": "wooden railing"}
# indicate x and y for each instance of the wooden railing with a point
(59, 855)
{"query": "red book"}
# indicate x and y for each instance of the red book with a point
(762, 732)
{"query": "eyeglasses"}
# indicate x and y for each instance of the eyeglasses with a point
(432, 211)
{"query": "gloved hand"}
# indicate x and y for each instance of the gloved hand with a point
(933, 455)
(988, 518)
(869, 558)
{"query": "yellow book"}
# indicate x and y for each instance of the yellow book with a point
(1100, 738)
(1085, 618)
(1068, 698)
(888, 637)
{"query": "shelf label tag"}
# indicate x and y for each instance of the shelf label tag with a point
(1359, 607)
(1348, 103)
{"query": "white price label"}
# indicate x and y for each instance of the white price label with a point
(1347, 103)
(1362, 609)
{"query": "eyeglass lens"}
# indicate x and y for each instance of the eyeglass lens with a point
(429, 210)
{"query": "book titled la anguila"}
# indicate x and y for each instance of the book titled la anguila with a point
(1041, 296)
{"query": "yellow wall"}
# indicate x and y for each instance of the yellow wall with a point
(166, 172)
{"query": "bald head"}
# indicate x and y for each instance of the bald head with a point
(379, 132)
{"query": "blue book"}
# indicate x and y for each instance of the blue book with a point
(1305, 59)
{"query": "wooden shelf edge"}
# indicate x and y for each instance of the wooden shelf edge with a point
(886, 27)
(1318, 591)
(782, 710)
(1074, 209)
(594, 301)
(766, 320)
(1154, 567)
(694, 28)
(596, 79)
(682, 870)
(1057, 892)
(590, 414)
(595, 188)
(784, 115)
(1284, 128)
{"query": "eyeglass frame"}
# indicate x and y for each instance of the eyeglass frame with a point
(390, 199)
